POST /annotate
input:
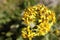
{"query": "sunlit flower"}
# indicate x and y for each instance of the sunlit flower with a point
(38, 19)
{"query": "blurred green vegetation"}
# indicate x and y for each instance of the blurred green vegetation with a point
(10, 20)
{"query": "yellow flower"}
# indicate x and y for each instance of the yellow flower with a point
(41, 16)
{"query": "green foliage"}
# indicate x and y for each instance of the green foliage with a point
(9, 10)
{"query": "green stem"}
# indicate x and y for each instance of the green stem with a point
(47, 37)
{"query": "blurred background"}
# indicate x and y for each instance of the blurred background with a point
(10, 18)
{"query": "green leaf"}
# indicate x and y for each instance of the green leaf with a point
(19, 38)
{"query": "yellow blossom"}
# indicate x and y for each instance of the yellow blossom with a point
(43, 19)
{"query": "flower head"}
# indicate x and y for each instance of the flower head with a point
(41, 16)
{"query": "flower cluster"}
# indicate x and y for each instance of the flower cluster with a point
(38, 19)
